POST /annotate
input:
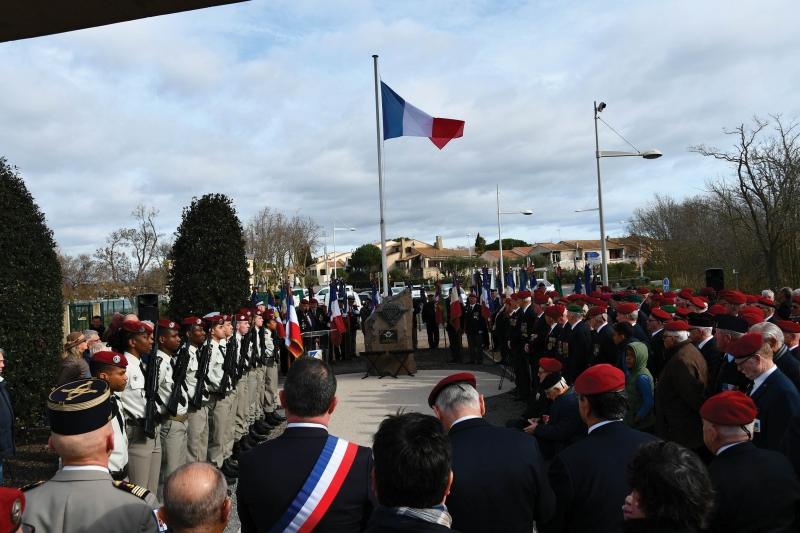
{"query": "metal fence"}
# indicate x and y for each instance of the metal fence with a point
(80, 316)
(109, 307)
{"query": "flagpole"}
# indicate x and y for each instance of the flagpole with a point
(384, 266)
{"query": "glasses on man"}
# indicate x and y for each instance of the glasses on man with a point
(746, 359)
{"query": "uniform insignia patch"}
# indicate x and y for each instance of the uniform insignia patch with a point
(136, 490)
(31, 486)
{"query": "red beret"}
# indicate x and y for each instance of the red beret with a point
(746, 345)
(524, 294)
(661, 315)
(166, 323)
(595, 294)
(136, 327)
(216, 320)
(241, 317)
(507, 300)
(735, 297)
(268, 314)
(706, 291)
(605, 288)
(472, 295)
(752, 319)
(596, 311)
(549, 364)
(553, 294)
(683, 312)
(669, 294)
(717, 309)
(752, 310)
(676, 325)
(656, 297)
(657, 291)
(541, 299)
(627, 308)
(697, 302)
(605, 297)
(515, 295)
(449, 380)
(767, 302)
(729, 408)
(668, 301)
(12, 504)
(787, 326)
(258, 312)
(110, 358)
(246, 312)
(751, 298)
(643, 290)
(191, 321)
(555, 311)
(226, 318)
(304, 301)
(598, 379)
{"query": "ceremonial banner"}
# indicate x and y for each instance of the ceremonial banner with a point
(402, 119)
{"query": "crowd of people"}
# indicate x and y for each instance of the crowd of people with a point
(644, 411)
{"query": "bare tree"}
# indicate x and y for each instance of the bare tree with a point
(79, 276)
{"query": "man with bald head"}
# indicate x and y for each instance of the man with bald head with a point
(196, 500)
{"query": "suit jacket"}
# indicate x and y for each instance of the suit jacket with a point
(639, 333)
(88, 501)
(777, 401)
(713, 357)
(504, 490)
(655, 359)
(271, 475)
(588, 479)
(576, 356)
(603, 348)
(564, 426)
(538, 342)
(729, 377)
(762, 478)
(789, 365)
(790, 443)
(474, 319)
(680, 393)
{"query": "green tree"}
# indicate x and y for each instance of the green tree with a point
(366, 257)
(31, 312)
(397, 274)
(480, 245)
(209, 268)
(461, 265)
(507, 244)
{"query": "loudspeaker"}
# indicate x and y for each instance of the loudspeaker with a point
(715, 277)
(147, 305)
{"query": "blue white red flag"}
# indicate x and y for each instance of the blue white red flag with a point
(402, 119)
(487, 305)
(293, 337)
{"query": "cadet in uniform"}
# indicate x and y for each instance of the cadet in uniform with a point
(271, 401)
(112, 367)
(219, 402)
(82, 496)
(242, 407)
(197, 421)
(144, 453)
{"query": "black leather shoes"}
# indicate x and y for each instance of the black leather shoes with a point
(256, 437)
(263, 427)
(277, 416)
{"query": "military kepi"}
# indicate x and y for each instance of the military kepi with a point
(79, 407)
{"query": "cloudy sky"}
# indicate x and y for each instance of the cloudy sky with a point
(272, 103)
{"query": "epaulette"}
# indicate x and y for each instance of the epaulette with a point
(136, 490)
(31, 486)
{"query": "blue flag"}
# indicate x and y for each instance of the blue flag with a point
(578, 289)
(523, 284)
(374, 294)
(587, 277)
(534, 281)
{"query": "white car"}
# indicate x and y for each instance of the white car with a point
(322, 295)
(547, 285)
(446, 292)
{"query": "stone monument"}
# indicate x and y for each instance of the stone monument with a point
(389, 328)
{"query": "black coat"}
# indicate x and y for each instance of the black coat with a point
(603, 348)
(588, 479)
(429, 314)
(527, 321)
(655, 357)
(385, 521)
(713, 357)
(639, 333)
(564, 425)
(504, 490)
(788, 365)
(7, 447)
(538, 341)
(762, 478)
(729, 377)
(551, 346)
(575, 351)
(790, 443)
(272, 473)
(777, 401)
(474, 321)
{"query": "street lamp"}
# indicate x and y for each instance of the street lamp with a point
(335, 229)
(500, 234)
(647, 154)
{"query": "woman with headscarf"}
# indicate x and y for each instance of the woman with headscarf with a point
(639, 385)
(73, 365)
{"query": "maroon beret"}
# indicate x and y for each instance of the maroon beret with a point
(605, 297)
(657, 291)
(555, 311)
(661, 315)
(729, 408)
(246, 312)
(643, 290)
(706, 291)
(595, 294)
(12, 505)
(515, 295)
(449, 380)
(191, 321)
(136, 327)
(717, 309)
(735, 297)
(524, 294)
(541, 299)
(216, 320)
(656, 298)
(751, 298)
(685, 294)
(507, 300)
(598, 379)
(787, 326)
(304, 301)
(669, 294)
(627, 308)
(668, 301)
(683, 312)
(313, 301)
(677, 325)
(596, 311)
(166, 323)
(752, 319)
(746, 345)
(110, 358)
(767, 302)
(549, 364)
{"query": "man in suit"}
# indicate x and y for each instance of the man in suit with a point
(561, 426)
(272, 474)
(740, 472)
(405, 446)
(575, 352)
(655, 328)
(517, 492)
(700, 334)
(781, 356)
(791, 336)
(82, 496)
(535, 348)
(428, 316)
(603, 349)
(474, 327)
(728, 330)
(775, 396)
(588, 478)
(526, 320)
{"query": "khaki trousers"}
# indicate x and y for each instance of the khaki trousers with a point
(144, 458)
(242, 408)
(197, 434)
(271, 399)
(260, 377)
(252, 393)
(230, 430)
(173, 450)
(219, 418)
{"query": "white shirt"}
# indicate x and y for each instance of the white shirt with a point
(700, 347)
(760, 379)
(723, 448)
(656, 333)
(191, 372)
(133, 400)
(215, 367)
(87, 467)
(306, 425)
(166, 384)
(604, 324)
(603, 423)
(119, 457)
(462, 419)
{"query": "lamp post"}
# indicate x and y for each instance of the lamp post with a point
(335, 229)
(500, 279)
(647, 154)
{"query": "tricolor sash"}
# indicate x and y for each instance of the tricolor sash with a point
(321, 487)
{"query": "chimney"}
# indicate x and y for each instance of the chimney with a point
(438, 244)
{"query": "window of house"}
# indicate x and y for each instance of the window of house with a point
(614, 254)
(556, 257)
(322, 272)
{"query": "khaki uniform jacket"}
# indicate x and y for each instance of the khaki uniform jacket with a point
(79, 501)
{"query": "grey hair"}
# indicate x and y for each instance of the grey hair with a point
(98, 347)
(796, 292)
(89, 333)
(787, 292)
(634, 315)
(186, 509)
(768, 294)
(680, 335)
(2, 352)
(456, 397)
(769, 331)
(734, 335)
(576, 314)
(705, 330)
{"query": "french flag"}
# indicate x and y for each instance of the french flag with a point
(403, 119)
(294, 340)
(337, 323)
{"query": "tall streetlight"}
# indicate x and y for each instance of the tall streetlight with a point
(500, 234)
(335, 229)
(647, 154)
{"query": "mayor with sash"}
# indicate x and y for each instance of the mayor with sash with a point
(306, 479)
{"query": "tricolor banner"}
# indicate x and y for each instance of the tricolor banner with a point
(293, 337)
(402, 119)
